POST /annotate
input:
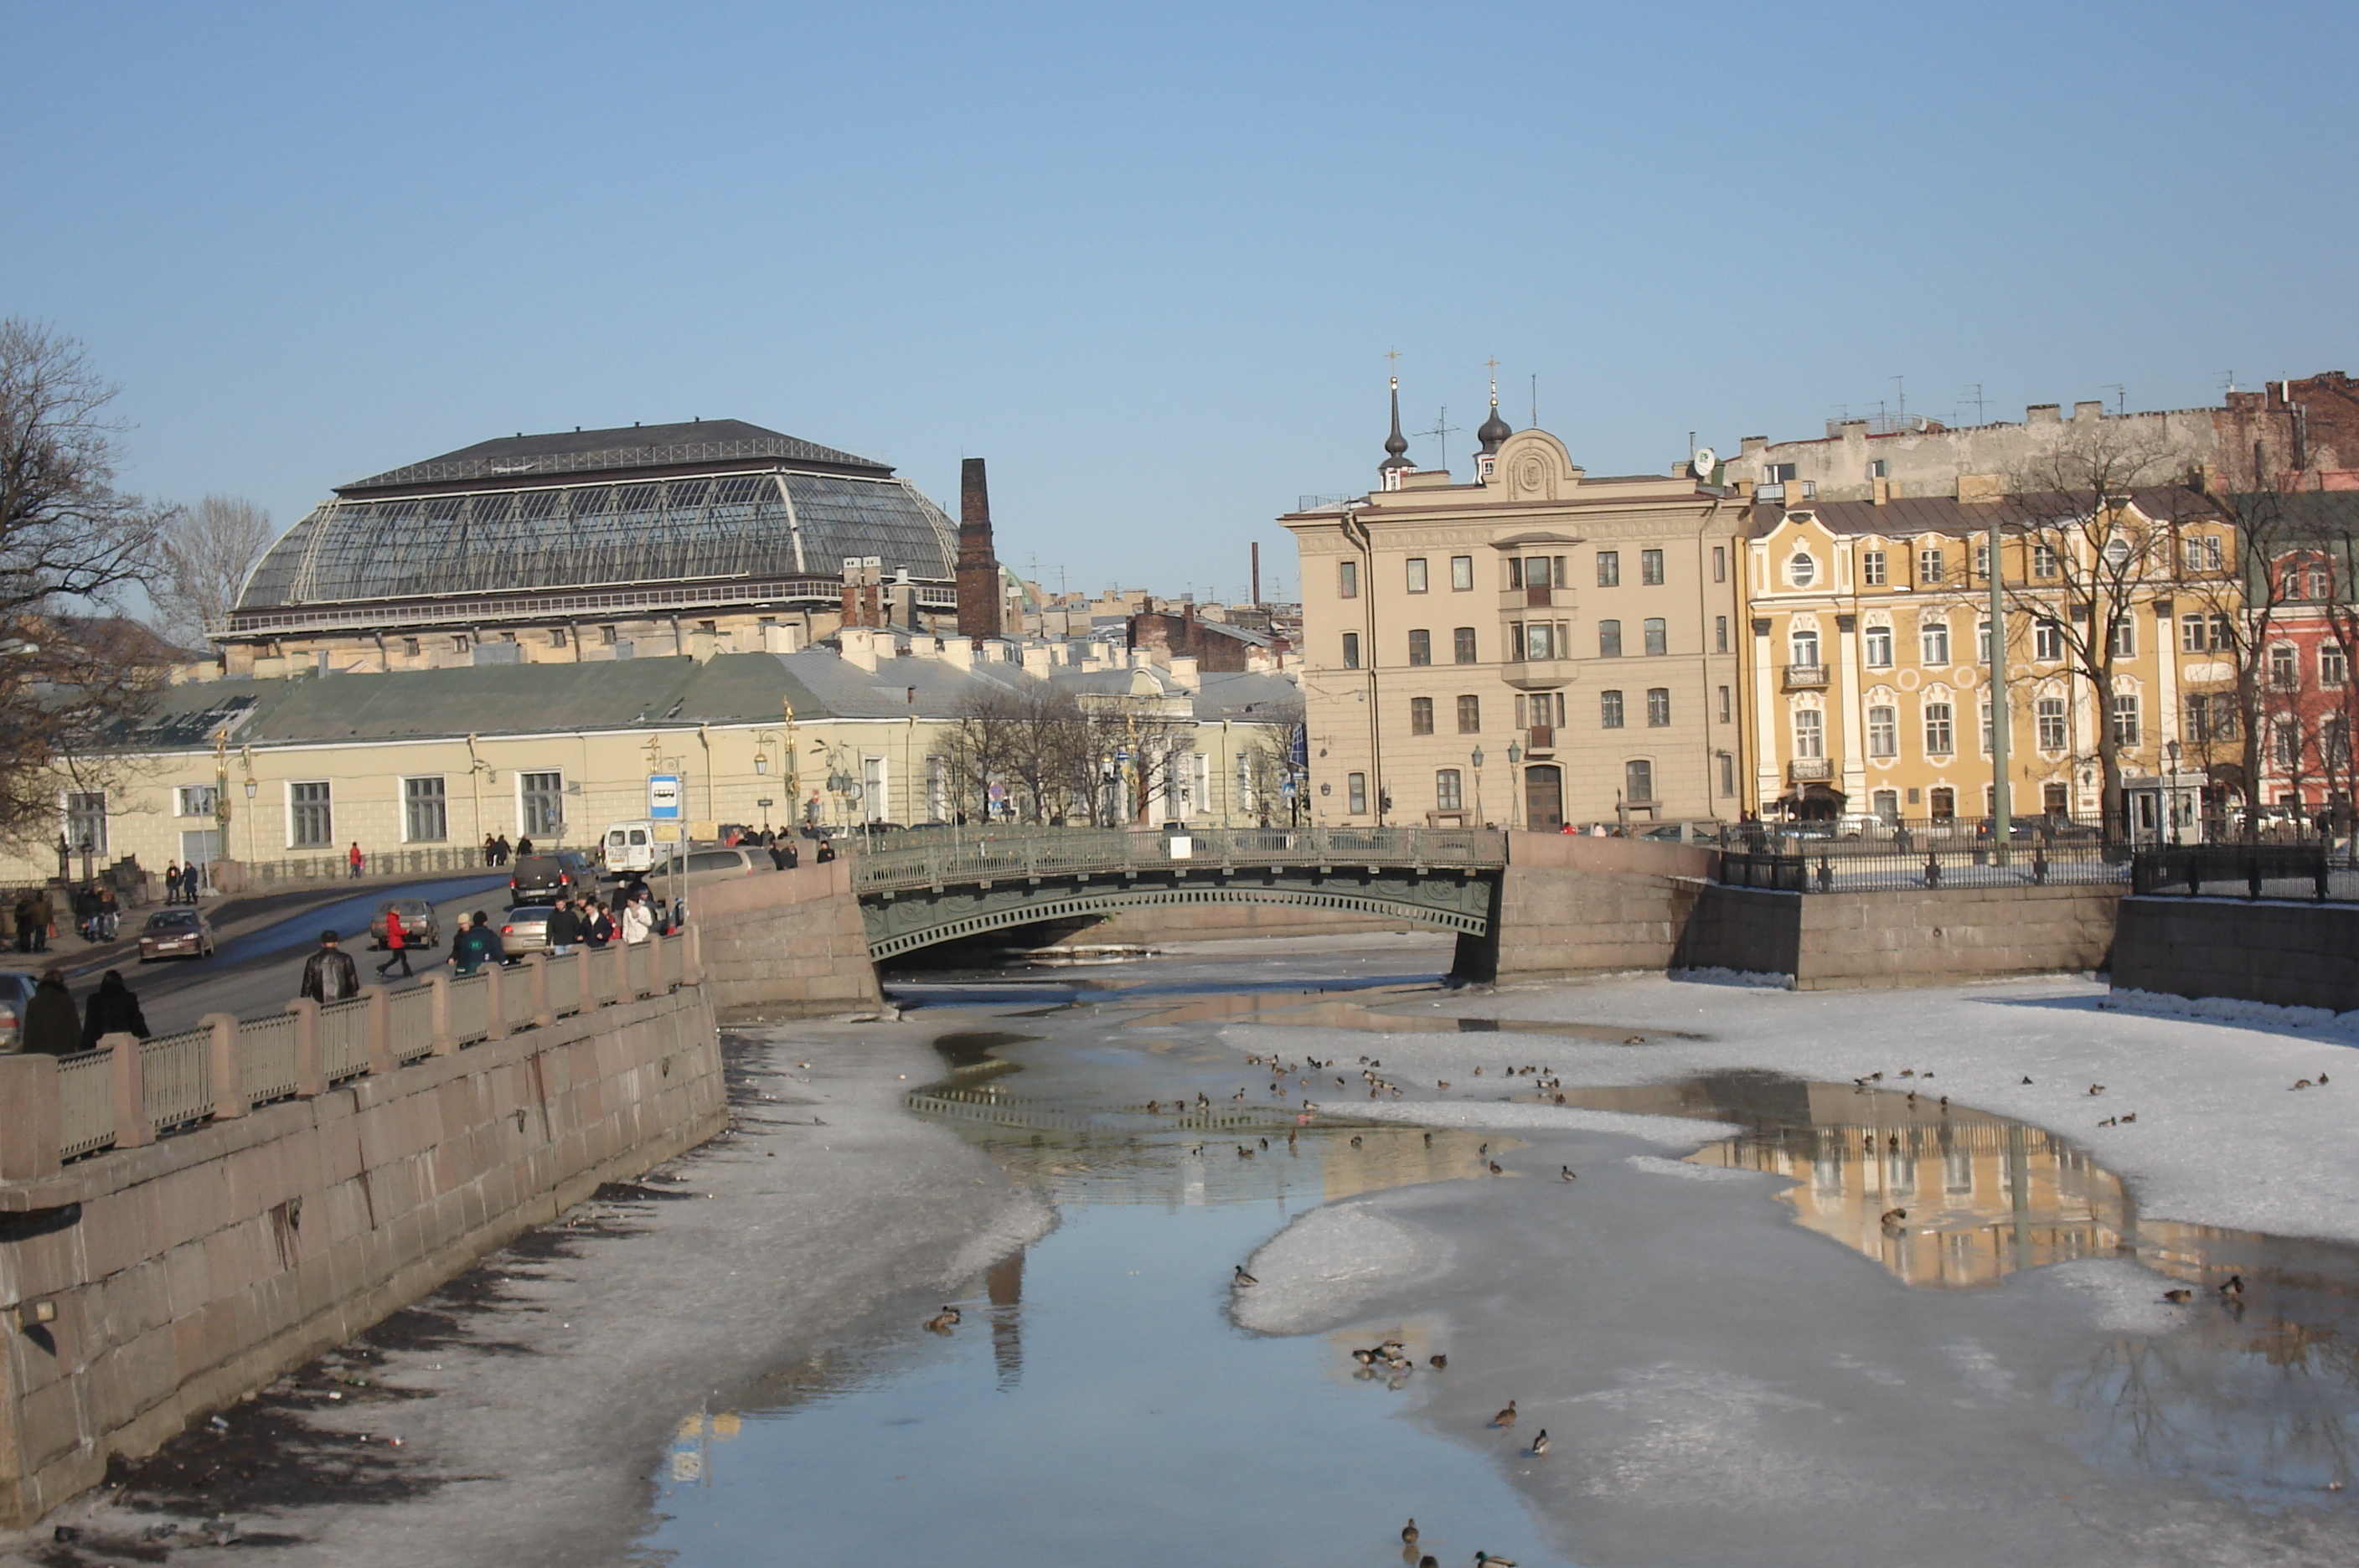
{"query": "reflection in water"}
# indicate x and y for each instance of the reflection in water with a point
(1309, 1009)
(1003, 1285)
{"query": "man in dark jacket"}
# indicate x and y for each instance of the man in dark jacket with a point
(477, 944)
(113, 1008)
(52, 1026)
(564, 929)
(329, 974)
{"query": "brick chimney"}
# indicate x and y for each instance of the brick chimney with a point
(978, 566)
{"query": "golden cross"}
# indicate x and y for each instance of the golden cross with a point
(1394, 354)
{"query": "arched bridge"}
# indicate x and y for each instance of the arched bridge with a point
(913, 894)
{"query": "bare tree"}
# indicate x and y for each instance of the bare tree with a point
(2097, 556)
(71, 670)
(203, 559)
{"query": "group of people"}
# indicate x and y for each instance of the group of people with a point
(180, 885)
(54, 1027)
(497, 850)
(97, 912)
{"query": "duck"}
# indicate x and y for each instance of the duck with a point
(1437, 1362)
(1442, 1083)
(1428, 1561)
(1245, 1279)
(1566, 1170)
(1364, 1357)
(1494, 1169)
(1909, 1072)
(2301, 1082)
(1243, 1153)
(1356, 1140)
(1484, 1560)
(2129, 1119)
(2096, 1088)
(2026, 1080)
(1429, 1141)
(2109, 1121)
(1409, 1533)
(2232, 1287)
(2179, 1297)
(1539, 1443)
(940, 1324)
(1506, 1417)
(1892, 1217)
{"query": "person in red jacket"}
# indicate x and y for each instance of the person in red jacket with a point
(396, 942)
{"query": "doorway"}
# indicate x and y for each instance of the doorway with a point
(1544, 798)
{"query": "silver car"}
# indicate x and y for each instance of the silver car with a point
(525, 929)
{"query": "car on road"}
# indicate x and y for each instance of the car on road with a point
(539, 878)
(16, 994)
(716, 865)
(176, 933)
(525, 929)
(418, 926)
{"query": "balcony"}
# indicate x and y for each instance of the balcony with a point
(1540, 737)
(1810, 769)
(1537, 674)
(1806, 678)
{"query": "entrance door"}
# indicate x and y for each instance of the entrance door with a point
(200, 849)
(1543, 797)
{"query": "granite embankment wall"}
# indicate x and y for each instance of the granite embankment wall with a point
(1570, 904)
(786, 944)
(159, 1280)
(2292, 954)
(1902, 936)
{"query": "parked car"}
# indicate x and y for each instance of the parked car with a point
(176, 933)
(15, 993)
(539, 878)
(418, 926)
(1863, 824)
(526, 929)
(718, 865)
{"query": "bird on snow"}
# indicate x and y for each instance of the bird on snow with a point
(1494, 1169)
(1485, 1560)
(1437, 1362)
(1409, 1533)
(2233, 1286)
(1539, 1443)
(2129, 1119)
(1245, 1279)
(2177, 1296)
(2096, 1088)
(1506, 1417)
(1566, 1171)
(2301, 1082)
(2026, 1080)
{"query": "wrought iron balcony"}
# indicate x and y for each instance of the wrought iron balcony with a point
(1806, 677)
(1812, 769)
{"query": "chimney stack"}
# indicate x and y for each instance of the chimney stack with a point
(978, 565)
(1257, 574)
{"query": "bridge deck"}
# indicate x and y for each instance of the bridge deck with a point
(987, 854)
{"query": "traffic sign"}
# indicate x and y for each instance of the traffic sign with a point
(663, 797)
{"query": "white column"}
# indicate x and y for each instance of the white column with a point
(1766, 767)
(1854, 744)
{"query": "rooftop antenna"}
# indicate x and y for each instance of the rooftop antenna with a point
(1444, 429)
(2230, 379)
(2115, 388)
(1974, 394)
(1900, 390)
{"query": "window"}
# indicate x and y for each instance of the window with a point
(2117, 555)
(1801, 570)
(1928, 566)
(424, 819)
(1650, 568)
(2285, 745)
(1420, 715)
(606, 635)
(1723, 705)
(557, 637)
(2333, 664)
(1934, 638)
(1983, 716)
(1609, 710)
(2043, 560)
(1638, 781)
(1884, 732)
(1448, 794)
(1351, 650)
(2125, 720)
(1885, 803)
(1879, 647)
(1420, 647)
(311, 822)
(2047, 640)
(1462, 643)
(2050, 715)
(543, 797)
(1470, 715)
(1720, 634)
(1658, 636)
(1871, 568)
(1658, 706)
(1719, 563)
(1806, 648)
(2283, 670)
(2125, 637)
(1462, 573)
(1517, 644)
(1940, 737)
(459, 643)
(86, 822)
(194, 801)
(409, 646)
(1609, 569)
(2203, 552)
(1347, 579)
(1356, 793)
(2191, 634)
(1539, 643)
(1609, 639)
(1778, 473)
(1943, 804)
(1417, 574)
(1982, 560)
(2213, 717)
(1810, 733)
(1982, 642)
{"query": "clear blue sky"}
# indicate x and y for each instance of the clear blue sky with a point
(1148, 259)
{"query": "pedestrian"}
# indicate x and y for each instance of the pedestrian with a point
(826, 850)
(636, 921)
(564, 929)
(328, 974)
(172, 883)
(36, 905)
(490, 851)
(113, 1008)
(52, 1027)
(110, 912)
(85, 907)
(599, 927)
(523, 844)
(500, 845)
(477, 944)
(396, 942)
(23, 919)
(355, 857)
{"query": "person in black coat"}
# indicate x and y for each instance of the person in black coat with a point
(51, 1026)
(113, 1008)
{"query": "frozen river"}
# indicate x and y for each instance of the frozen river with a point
(1739, 1352)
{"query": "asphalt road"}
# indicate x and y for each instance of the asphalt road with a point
(259, 970)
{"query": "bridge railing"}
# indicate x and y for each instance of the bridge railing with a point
(1047, 852)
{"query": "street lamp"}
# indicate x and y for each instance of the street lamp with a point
(2170, 786)
(1477, 761)
(1515, 760)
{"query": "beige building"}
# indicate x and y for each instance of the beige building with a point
(1533, 648)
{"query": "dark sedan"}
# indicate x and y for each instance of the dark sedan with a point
(176, 933)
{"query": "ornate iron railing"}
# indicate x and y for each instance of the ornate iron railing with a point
(989, 854)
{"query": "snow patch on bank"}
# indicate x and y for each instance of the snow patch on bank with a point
(2120, 1296)
(1713, 974)
(1322, 1270)
(1026, 1218)
(2229, 1010)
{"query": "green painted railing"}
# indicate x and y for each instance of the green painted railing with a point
(989, 854)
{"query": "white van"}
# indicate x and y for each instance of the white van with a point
(638, 846)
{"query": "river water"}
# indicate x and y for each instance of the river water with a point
(1740, 1354)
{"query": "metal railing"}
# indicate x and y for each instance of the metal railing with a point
(1871, 865)
(175, 1079)
(2308, 871)
(381, 866)
(991, 854)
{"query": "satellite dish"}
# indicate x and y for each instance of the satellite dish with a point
(1701, 465)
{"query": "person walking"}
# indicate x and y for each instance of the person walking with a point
(500, 850)
(396, 942)
(172, 883)
(354, 855)
(476, 944)
(329, 974)
(85, 909)
(564, 929)
(110, 912)
(52, 1027)
(598, 926)
(636, 921)
(113, 1008)
(490, 851)
(524, 843)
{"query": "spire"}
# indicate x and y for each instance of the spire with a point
(1397, 444)
(1494, 430)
